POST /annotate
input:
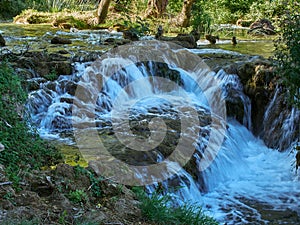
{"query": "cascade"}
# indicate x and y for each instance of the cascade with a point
(160, 95)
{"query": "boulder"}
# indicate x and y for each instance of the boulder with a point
(185, 40)
(262, 27)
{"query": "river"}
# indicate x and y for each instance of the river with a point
(153, 113)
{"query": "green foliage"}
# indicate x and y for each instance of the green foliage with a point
(174, 6)
(137, 26)
(78, 196)
(157, 208)
(228, 11)
(10, 8)
(266, 9)
(23, 149)
(63, 218)
(51, 76)
(287, 52)
(122, 5)
(95, 181)
(60, 5)
(200, 20)
(242, 6)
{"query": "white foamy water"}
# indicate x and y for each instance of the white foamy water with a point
(244, 169)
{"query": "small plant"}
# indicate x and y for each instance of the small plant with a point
(51, 76)
(158, 208)
(95, 181)
(62, 218)
(78, 196)
(139, 27)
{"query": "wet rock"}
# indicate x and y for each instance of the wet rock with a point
(245, 71)
(34, 83)
(212, 39)
(60, 67)
(59, 40)
(2, 41)
(262, 27)
(130, 35)
(42, 64)
(184, 40)
(63, 52)
(116, 41)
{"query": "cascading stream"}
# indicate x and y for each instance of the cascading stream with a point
(244, 169)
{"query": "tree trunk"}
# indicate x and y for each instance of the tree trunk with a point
(102, 10)
(156, 8)
(183, 19)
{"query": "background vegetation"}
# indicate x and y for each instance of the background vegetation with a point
(287, 52)
(218, 11)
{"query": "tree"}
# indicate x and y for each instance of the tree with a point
(183, 19)
(102, 10)
(156, 8)
(287, 51)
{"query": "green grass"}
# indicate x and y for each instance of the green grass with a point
(158, 208)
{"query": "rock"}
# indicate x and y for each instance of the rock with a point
(185, 40)
(2, 41)
(25, 198)
(262, 27)
(246, 71)
(233, 40)
(130, 35)
(212, 39)
(34, 83)
(159, 32)
(115, 41)
(59, 40)
(63, 52)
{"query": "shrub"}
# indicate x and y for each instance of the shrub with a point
(200, 20)
(287, 52)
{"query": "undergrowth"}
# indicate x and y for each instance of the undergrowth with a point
(24, 149)
(158, 208)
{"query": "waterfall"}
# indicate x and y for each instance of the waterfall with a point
(281, 122)
(233, 91)
(159, 117)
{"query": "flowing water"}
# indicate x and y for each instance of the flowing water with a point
(246, 182)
